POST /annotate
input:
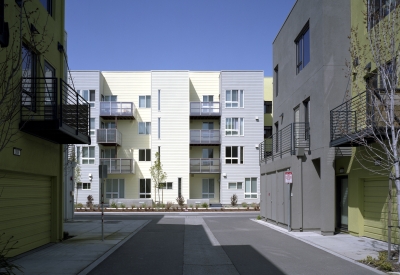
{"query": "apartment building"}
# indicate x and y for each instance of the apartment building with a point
(309, 61)
(39, 113)
(205, 125)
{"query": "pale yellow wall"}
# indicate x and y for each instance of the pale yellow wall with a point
(198, 124)
(196, 151)
(203, 83)
(268, 96)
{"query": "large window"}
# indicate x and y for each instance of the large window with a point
(303, 48)
(144, 128)
(115, 188)
(234, 99)
(108, 153)
(145, 188)
(379, 9)
(144, 154)
(83, 185)
(235, 185)
(86, 155)
(29, 63)
(234, 154)
(234, 126)
(250, 191)
(267, 107)
(48, 5)
(267, 131)
(207, 189)
(144, 101)
(166, 185)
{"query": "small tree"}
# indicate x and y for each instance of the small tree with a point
(158, 175)
(77, 179)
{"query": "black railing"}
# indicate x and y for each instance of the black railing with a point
(41, 101)
(285, 141)
(360, 117)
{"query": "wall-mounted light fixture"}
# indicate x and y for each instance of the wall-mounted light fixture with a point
(341, 170)
(224, 174)
(257, 118)
(17, 151)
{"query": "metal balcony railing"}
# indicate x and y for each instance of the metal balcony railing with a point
(109, 136)
(53, 110)
(205, 109)
(359, 117)
(285, 141)
(119, 165)
(205, 137)
(117, 109)
(205, 165)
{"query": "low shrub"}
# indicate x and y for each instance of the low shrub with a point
(204, 205)
(89, 202)
(133, 206)
(144, 206)
(169, 205)
(114, 205)
(181, 201)
(381, 262)
(234, 200)
(123, 205)
(258, 217)
(79, 205)
(197, 206)
(191, 206)
(244, 204)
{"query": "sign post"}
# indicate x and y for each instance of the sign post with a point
(102, 176)
(289, 181)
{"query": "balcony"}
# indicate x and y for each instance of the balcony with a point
(117, 110)
(198, 166)
(119, 165)
(205, 137)
(202, 110)
(361, 119)
(52, 110)
(109, 137)
(294, 136)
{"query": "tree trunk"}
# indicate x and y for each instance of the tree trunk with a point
(397, 182)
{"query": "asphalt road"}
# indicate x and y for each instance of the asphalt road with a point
(217, 243)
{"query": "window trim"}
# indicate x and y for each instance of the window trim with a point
(168, 185)
(121, 182)
(147, 101)
(147, 126)
(239, 158)
(299, 41)
(251, 194)
(81, 158)
(240, 123)
(208, 189)
(240, 99)
(92, 126)
(236, 185)
(147, 154)
(267, 107)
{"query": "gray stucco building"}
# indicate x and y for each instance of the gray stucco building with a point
(309, 61)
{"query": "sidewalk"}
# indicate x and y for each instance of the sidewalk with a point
(81, 253)
(345, 246)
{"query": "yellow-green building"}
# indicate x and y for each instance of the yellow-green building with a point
(268, 95)
(361, 181)
(39, 114)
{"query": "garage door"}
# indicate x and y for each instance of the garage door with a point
(25, 203)
(376, 209)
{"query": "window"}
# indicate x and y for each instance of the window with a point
(145, 188)
(108, 125)
(92, 125)
(109, 98)
(29, 63)
(235, 185)
(179, 187)
(207, 153)
(267, 107)
(232, 155)
(48, 5)
(207, 189)
(276, 80)
(307, 118)
(234, 126)
(88, 95)
(144, 128)
(208, 98)
(250, 191)
(87, 156)
(144, 101)
(379, 9)
(159, 127)
(144, 154)
(115, 188)
(166, 185)
(303, 48)
(267, 131)
(108, 153)
(159, 100)
(234, 99)
(84, 185)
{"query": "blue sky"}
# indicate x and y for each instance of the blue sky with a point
(136, 35)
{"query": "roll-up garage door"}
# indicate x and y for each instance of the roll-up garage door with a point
(25, 204)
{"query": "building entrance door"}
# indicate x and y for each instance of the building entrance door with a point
(342, 209)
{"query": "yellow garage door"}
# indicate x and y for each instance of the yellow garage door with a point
(376, 209)
(25, 203)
